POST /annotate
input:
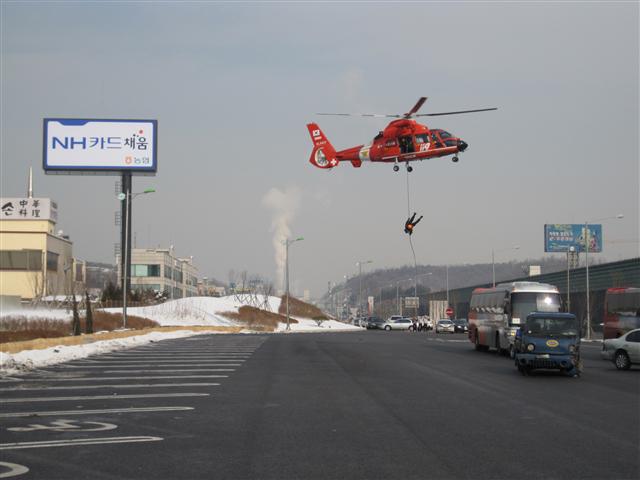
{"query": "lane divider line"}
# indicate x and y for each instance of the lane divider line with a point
(77, 441)
(64, 413)
(135, 385)
(101, 397)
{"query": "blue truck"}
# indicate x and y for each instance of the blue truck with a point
(548, 341)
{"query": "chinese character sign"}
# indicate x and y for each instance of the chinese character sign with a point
(99, 145)
(28, 209)
(561, 237)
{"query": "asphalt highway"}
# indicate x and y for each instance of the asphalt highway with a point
(365, 405)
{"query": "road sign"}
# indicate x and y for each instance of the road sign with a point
(449, 311)
(411, 302)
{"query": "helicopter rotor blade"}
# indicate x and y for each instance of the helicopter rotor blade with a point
(454, 113)
(377, 115)
(416, 107)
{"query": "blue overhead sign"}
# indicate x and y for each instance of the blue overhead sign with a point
(82, 145)
(561, 237)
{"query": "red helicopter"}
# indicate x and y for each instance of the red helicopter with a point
(403, 140)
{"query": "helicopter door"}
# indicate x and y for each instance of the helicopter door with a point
(406, 144)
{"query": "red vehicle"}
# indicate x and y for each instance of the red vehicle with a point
(402, 141)
(621, 311)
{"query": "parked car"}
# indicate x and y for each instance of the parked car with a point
(623, 351)
(460, 325)
(445, 326)
(374, 323)
(400, 323)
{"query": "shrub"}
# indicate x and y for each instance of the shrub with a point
(256, 318)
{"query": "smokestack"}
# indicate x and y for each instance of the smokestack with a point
(30, 186)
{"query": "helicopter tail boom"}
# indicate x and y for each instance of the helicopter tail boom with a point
(323, 154)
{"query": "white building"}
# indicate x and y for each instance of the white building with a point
(159, 270)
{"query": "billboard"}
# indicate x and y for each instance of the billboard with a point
(95, 145)
(561, 237)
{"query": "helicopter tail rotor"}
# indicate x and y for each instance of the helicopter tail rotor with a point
(323, 154)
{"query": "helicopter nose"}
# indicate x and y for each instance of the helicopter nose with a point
(462, 145)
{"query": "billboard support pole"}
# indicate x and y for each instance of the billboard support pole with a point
(126, 242)
(586, 258)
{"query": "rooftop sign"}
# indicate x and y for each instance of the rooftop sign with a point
(94, 145)
(28, 209)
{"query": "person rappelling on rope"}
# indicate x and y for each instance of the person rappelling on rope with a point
(411, 223)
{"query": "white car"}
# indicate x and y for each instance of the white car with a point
(623, 351)
(397, 323)
(445, 326)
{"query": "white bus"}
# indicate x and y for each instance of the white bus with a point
(496, 313)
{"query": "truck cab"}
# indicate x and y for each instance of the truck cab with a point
(548, 341)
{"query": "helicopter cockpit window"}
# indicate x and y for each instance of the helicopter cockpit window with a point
(422, 138)
(435, 140)
(444, 134)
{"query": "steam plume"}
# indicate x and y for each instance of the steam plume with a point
(283, 205)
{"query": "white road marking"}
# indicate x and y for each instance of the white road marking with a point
(101, 397)
(63, 425)
(115, 363)
(161, 370)
(126, 365)
(14, 470)
(150, 377)
(169, 357)
(64, 413)
(135, 385)
(76, 441)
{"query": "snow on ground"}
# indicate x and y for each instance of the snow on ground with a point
(193, 311)
(12, 364)
(308, 325)
(183, 312)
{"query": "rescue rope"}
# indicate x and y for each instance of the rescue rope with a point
(413, 251)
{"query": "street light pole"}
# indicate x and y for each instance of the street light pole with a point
(288, 242)
(493, 260)
(447, 274)
(359, 264)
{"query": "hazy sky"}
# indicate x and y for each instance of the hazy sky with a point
(233, 85)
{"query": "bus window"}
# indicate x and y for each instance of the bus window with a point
(522, 304)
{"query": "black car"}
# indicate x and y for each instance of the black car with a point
(374, 323)
(460, 325)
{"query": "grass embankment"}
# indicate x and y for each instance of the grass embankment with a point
(299, 308)
(41, 343)
(256, 319)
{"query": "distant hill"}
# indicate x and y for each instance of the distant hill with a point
(433, 278)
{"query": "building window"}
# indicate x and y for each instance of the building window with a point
(145, 270)
(79, 273)
(168, 272)
(152, 287)
(30, 260)
(52, 261)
